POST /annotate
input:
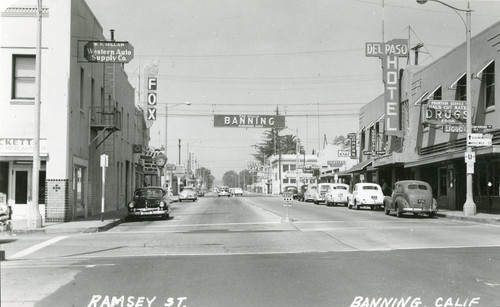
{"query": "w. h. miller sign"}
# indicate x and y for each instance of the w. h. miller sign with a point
(108, 52)
(249, 121)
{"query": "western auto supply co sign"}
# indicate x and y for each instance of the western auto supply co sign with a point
(108, 52)
(390, 53)
(249, 121)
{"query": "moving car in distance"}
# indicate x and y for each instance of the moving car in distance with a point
(223, 191)
(323, 189)
(188, 193)
(411, 196)
(291, 190)
(338, 194)
(366, 195)
(237, 191)
(300, 193)
(311, 193)
(149, 201)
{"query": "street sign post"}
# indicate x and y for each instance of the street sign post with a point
(104, 165)
(479, 139)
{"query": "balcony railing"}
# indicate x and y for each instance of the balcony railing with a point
(106, 118)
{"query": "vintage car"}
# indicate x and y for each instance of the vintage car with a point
(300, 193)
(323, 190)
(366, 195)
(237, 191)
(339, 194)
(311, 193)
(411, 196)
(188, 193)
(291, 190)
(149, 202)
(223, 191)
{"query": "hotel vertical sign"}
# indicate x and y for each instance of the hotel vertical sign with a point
(390, 53)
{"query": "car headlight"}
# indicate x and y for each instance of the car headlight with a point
(162, 204)
(131, 205)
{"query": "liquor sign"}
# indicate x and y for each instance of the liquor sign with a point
(445, 112)
(353, 151)
(390, 53)
(249, 121)
(454, 129)
(108, 52)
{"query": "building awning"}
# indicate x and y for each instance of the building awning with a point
(360, 166)
(394, 158)
(452, 155)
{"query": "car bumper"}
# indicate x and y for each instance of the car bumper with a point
(187, 198)
(148, 212)
(419, 210)
(368, 202)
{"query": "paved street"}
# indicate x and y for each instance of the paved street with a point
(238, 251)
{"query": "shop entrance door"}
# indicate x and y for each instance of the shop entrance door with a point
(22, 186)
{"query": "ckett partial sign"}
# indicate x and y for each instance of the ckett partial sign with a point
(108, 52)
(249, 121)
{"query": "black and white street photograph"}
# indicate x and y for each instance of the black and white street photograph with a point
(243, 153)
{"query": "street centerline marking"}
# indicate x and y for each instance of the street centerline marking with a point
(37, 247)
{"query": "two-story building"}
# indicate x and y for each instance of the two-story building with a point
(87, 109)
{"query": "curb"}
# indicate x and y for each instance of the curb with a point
(56, 230)
(483, 220)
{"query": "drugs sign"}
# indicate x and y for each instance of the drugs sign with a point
(440, 112)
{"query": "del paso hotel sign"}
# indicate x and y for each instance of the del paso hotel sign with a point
(249, 121)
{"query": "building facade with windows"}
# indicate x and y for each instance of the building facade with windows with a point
(292, 170)
(87, 109)
(434, 150)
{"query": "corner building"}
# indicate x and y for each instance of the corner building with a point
(87, 109)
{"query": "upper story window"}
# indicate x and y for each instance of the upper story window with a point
(23, 77)
(488, 81)
(461, 93)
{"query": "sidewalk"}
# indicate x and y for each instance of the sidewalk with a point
(81, 225)
(114, 218)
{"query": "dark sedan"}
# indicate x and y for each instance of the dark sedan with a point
(149, 202)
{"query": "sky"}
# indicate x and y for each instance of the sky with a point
(304, 58)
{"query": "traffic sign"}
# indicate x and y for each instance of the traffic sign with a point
(479, 139)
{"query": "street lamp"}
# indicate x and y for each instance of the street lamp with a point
(469, 206)
(187, 103)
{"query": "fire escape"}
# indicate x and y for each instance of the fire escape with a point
(106, 119)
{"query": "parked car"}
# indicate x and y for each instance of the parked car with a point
(237, 191)
(311, 193)
(411, 196)
(291, 189)
(148, 202)
(339, 194)
(300, 193)
(366, 195)
(188, 193)
(200, 193)
(223, 191)
(323, 189)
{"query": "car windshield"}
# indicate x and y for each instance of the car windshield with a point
(340, 187)
(370, 187)
(187, 190)
(417, 187)
(149, 193)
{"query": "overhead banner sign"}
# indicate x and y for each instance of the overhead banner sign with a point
(108, 52)
(390, 53)
(249, 121)
(445, 112)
